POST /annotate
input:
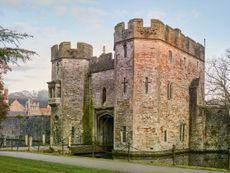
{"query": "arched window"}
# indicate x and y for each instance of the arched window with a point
(103, 95)
(170, 58)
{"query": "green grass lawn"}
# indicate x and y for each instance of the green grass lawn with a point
(18, 165)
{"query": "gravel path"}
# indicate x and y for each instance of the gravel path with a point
(103, 164)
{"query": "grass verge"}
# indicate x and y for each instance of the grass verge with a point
(18, 165)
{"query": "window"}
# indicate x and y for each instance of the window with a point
(182, 131)
(124, 134)
(185, 62)
(170, 58)
(165, 136)
(57, 67)
(58, 92)
(146, 85)
(125, 82)
(125, 50)
(72, 132)
(103, 95)
(169, 90)
(197, 65)
(50, 93)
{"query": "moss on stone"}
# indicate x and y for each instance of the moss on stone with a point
(87, 119)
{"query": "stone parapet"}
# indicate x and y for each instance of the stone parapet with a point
(158, 31)
(64, 50)
(101, 63)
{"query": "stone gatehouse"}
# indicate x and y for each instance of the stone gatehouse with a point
(146, 95)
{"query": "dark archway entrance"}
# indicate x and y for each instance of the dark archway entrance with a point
(105, 129)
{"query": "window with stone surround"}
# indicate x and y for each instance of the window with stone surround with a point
(58, 91)
(123, 134)
(182, 132)
(125, 50)
(170, 58)
(51, 92)
(165, 136)
(103, 95)
(169, 90)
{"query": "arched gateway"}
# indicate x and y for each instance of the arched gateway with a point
(104, 124)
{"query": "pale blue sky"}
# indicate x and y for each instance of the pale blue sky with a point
(93, 21)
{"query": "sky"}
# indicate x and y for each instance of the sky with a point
(92, 21)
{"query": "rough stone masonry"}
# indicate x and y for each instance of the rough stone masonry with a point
(147, 96)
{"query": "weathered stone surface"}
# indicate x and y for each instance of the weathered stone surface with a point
(148, 57)
(129, 95)
(36, 126)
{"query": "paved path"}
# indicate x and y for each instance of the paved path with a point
(105, 164)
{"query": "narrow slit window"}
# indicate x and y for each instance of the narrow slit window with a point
(182, 132)
(103, 95)
(146, 85)
(165, 136)
(125, 83)
(169, 90)
(57, 67)
(184, 61)
(170, 58)
(124, 134)
(72, 132)
(125, 50)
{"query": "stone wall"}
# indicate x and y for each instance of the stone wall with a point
(158, 31)
(100, 80)
(102, 63)
(35, 126)
(70, 74)
(217, 128)
(149, 115)
(123, 101)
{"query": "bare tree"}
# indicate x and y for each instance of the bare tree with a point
(218, 80)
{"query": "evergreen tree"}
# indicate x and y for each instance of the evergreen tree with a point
(10, 53)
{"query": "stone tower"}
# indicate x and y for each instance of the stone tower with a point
(147, 97)
(70, 68)
(154, 69)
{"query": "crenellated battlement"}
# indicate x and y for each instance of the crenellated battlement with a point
(101, 63)
(158, 31)
(64, 50)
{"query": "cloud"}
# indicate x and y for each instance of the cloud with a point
(49, 2)
(156, 14)
(29, 76)
(86, 1)
(10, 3)
(88, 15)
(195, 13)
(23, 27)
(120, 13)
(12, 80)
(61, 10)
(24, 67)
